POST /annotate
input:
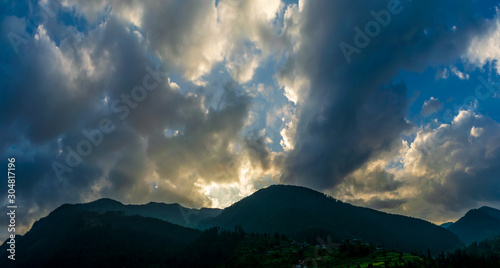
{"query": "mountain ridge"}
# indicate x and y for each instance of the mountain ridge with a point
(302, 213)
(297, 212)
(174, 213)
(477, 225)
(113, 239)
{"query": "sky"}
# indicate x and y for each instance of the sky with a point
(387, 104)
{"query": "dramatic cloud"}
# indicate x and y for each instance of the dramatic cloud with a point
(97, 115)
(447, 167)
(356, 108)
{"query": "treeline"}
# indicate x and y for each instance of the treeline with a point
(485, 254)
(214, 248)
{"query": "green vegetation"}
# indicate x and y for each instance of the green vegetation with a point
(279, 251)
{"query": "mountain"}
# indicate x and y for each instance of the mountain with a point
(477, 225)
(173, 213)
(446, 224)
(493, 212)
(107, 233)
(73, 237)
(305, 214)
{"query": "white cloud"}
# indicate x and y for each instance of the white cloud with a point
(486, 48)
(459, 74)
(476, 131)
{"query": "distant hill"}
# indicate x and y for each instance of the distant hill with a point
(173, 213)
(304, 214)
(72, 237)
(446, 224)
(477, 225)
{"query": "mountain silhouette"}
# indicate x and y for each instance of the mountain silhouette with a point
(73, 237)
(107, 233)
(477, 225)
(305, 214)
(173, 213)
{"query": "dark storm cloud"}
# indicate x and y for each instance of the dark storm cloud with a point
(257, 149)
(65, 80)
(37, 192)
(356, 110)
(204, 147)
(476, 153)
(377, 203)
(373, 181)
(49, 95)
(431, 106)
(182, 18)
